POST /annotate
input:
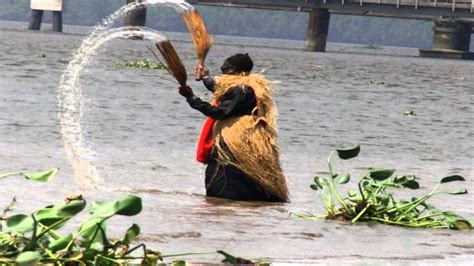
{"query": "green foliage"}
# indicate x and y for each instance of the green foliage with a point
(32, 239)
(28, 258)
(371, 47)
(42, 176)
(233, 260)
(348, 152)
(409, 113)
(144, 63)
(374, 202)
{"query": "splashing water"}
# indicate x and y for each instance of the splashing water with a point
(70, 97)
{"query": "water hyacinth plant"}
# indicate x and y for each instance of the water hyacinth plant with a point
(144, 63)
(374, 201)
(42, 176)
(33, 239)
(30, 239)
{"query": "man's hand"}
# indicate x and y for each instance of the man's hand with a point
(204, 71)
(186, 91)
(200, 71)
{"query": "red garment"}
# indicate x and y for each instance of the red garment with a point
(204, 145)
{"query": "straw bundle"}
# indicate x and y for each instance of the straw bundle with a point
(174, 65)
(201, 39)
(251, 140)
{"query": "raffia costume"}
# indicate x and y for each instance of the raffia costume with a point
(244, 145)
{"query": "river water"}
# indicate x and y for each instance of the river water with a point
(142, 135)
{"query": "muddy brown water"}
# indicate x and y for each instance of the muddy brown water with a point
(142, 134)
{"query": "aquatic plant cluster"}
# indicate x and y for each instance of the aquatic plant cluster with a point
(374, 201)
(144, 63)
(32, 239)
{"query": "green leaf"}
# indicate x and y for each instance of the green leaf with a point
(351, 193)
(343, 179)
(458, 192)
(385, 201)
(409, 113)
(178, 263)
(460, 225)
(51, 215)
(42, 176)
(48, 217)
(104, 208)
(451, 216)
(451, 178)
(128, 206)
(131, 234)
(381, 173)
(400, 179)
(348, 152)
(89, 254)
(314, 187)
(61, 243)
(411, 184)
(28, 258)
(228, 258)
(71, 208)
(91, 233)
(20, 223)
(320, 181)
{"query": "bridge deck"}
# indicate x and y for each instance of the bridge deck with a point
(396, 8)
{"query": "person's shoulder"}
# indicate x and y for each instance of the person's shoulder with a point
(241, 89)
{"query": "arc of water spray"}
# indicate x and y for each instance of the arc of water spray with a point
(70, 96)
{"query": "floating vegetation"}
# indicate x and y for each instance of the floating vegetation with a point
(33, 239)
(376, 82)
(374, 202)
(409, 113)
(42, 176)
(372, 47)
(144, 63)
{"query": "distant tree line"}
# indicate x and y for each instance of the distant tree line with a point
(246, 22)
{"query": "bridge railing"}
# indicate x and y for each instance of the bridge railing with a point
(453, 4)
(402, 8)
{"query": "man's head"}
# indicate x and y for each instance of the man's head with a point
(236, 64)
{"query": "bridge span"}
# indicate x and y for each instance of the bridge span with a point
(393, 8)
(453, 18)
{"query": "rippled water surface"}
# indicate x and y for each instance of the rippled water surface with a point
(142, 134)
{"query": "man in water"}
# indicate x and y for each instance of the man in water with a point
(238, 139)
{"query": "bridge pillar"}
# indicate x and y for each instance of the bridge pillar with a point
(318, 27)
(35, 19)
(450, 40)
(58, 21)
(137, 17)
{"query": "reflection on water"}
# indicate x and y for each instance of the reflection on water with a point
(143, 134)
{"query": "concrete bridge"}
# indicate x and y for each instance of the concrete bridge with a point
(453, 19)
